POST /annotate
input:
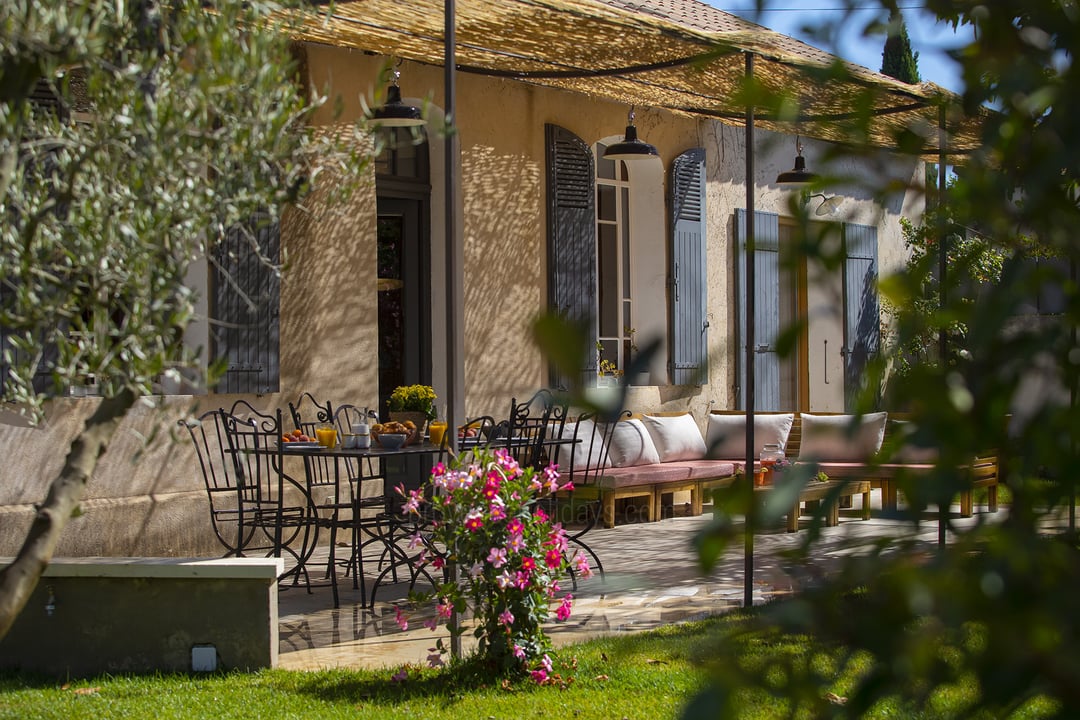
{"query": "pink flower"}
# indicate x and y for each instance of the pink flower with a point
(564, 609)
(474, 520)
(551, 478)
(491, 488)
(521, 580)
(496, 513)
(504, 580)
(476, 570)
(431, 624)
(439, 562)
(415, 540)
(515, 527)
(557, 538)
(581, 566)
(519, 652)
(553, 558)
(568, 487)
(400, 619)
(412, 505)
(516, 543)
(528, 564)
(400, 676)
(446, 608)
(497, 557)
(506, 618)
(439, 470)
(434, 659)
(546, 663)
(539, 676)
(540, 515)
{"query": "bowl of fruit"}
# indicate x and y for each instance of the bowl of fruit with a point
(397, 434)
(297, 440)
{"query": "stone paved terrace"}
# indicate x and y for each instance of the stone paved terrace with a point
(652, 579)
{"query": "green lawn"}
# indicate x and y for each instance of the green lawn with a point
(647, 675)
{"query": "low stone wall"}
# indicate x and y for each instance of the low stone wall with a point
(89, 616)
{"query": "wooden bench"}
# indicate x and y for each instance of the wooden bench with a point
(815, 492)
(606, 484)
(982, 472)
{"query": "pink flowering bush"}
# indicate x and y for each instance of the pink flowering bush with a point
(510, 557)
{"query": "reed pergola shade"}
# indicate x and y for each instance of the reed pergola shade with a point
(641, 58)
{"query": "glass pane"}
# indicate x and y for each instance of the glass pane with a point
(605, 202)
(624, 218)
(624, 172)
(608, 286)
(391, 302)
(604, 168)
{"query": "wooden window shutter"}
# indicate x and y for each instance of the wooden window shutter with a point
(688, 271)
(862, 320)
(245, 311)
(571, 237)
(766, 308)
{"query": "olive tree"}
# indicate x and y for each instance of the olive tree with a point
(133, 135)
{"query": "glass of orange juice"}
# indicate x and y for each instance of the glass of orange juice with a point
(327, 436)
(436, 431)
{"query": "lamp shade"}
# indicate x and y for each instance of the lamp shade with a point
(630, 148)
(798, 175)
(829, 206)
(396, 113)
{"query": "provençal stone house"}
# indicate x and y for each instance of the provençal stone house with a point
(539, 219)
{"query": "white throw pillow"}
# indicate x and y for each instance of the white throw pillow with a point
(584, 454)
(901, 433)
(831, 438)
(725, 435)
(631, 445)
(676, 437)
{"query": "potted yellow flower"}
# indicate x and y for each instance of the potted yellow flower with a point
(413, 402)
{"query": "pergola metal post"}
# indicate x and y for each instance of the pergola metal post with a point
(748, 389)
(942, 229)
(454, 258)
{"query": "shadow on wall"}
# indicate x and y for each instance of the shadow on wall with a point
(146, 497)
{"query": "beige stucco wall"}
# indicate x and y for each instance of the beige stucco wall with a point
(147, 497)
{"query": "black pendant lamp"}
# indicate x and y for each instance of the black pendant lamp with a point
(630, 148)
(798, 175)
(395, 113)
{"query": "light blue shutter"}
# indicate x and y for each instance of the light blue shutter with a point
(572, 236)
(862, 321)
(688, 278)
(766, 308)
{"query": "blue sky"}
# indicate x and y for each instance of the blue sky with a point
(928, 38)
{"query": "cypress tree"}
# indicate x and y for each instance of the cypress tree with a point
(897, 59)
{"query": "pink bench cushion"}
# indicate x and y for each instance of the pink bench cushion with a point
(861, 469)
(706, 469)
(640, 475)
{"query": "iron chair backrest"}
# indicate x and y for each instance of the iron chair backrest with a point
(345, 416)
(487, 434)
(583, 461)
(531, 424)
(254, 444)
(307, 414)
(220, 475)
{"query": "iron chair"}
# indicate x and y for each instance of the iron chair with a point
(248, 505)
